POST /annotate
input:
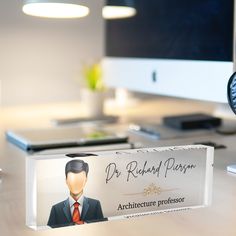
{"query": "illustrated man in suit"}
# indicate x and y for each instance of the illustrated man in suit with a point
(77, 209)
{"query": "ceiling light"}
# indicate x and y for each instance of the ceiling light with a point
(55, 8)
(116, 9)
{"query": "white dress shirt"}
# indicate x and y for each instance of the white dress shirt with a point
(72, 201)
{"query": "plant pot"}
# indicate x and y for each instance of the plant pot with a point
(93, 102)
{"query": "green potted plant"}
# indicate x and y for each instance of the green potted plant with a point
(93, 92)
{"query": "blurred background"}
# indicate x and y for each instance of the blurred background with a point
(40, 59)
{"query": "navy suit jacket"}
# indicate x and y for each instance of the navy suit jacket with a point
(60, 215)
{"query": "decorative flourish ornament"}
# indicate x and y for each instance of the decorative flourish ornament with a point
(152, 189)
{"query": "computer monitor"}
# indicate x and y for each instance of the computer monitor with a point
(173, 48)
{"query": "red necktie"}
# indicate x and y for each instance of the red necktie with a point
(76, 214)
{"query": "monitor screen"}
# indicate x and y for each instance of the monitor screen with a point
(193, 39)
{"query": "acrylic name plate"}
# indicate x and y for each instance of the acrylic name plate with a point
(116, 184)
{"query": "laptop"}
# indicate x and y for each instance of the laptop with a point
(63, 137)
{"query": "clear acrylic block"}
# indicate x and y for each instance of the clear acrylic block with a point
(118, 185)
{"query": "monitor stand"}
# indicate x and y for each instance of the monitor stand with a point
(123, 99)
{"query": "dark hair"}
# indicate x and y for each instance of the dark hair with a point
(76, 166)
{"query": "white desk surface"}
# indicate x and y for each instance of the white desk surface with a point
(218, 219)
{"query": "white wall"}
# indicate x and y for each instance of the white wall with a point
(40, 58)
